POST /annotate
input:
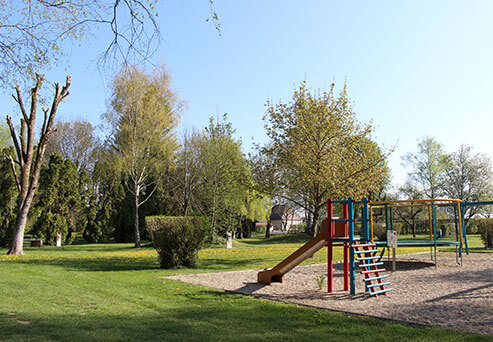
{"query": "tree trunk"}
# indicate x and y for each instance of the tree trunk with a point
(30, 162)
(136, 218)
(267, 230)
(17, 247)
(308, 220)
(315, 228)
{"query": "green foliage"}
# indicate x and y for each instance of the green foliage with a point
(143, 115)
(485, 227)
(427, 167)
(380, 231)
(317, 150)
(113, 292)
(320, 278)
(5, 139)
(105, 203)
(177, 239)
(223, 176)
(59, 205)
(246, 229)
(8, 193)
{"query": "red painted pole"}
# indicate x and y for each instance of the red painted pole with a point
(330, 270)
(346, 249)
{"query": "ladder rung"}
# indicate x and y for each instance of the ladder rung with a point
(368, 258)
(369, 265)
(379, 292)
(380, 284)
(376, 278)
(366, 251)
(374, 271)
(364, 245)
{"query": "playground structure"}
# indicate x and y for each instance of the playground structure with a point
(354, 231)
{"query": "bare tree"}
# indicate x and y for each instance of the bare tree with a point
(77, 141)
(29, 156)
(34, 33)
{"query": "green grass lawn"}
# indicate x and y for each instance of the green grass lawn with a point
(114, 292)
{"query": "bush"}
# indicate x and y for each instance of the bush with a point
(485, 227)
(246, 229)
(177, 239)
(380, 231)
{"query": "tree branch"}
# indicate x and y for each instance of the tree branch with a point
(12, 165)
(149, 196)
(18, 99)
(14, 139)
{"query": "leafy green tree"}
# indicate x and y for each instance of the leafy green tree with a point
(7, 200)
(427, 167)
(468, 177)
(59, 204)
(222, 179)
(143, 114)
(409, 215)
(317, 150)
(105, 203)
(254, 206)
(185, 177)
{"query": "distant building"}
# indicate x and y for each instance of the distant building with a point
(283, 219)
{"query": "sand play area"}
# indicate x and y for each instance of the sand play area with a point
(452, 296)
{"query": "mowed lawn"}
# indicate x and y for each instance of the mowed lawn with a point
(115, 292)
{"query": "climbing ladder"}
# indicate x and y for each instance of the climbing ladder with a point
(369, 262)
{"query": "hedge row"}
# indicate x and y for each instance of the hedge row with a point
(485, 227)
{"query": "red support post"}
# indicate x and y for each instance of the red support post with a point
(330, 270)
(346, 249)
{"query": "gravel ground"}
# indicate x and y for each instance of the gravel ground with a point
(459, 297)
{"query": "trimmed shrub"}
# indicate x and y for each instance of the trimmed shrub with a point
(380, 231)
(177, 239)
(485, 227)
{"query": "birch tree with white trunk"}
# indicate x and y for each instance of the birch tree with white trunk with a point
(143, 114)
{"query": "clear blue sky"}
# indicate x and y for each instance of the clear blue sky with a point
(414, 68)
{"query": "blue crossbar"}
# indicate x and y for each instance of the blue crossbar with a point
(380, 284)
(379, 292)
(369, 265)
(368, 251)
(368, 258)
(376, 278)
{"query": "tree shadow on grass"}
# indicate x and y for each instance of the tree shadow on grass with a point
(94, 264)
(213, 316)
(114, 264)
(277, 239)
